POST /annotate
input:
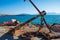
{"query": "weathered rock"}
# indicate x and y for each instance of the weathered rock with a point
(26, 29)
(56, 28)
(5, 29)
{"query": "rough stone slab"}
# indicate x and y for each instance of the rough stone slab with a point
(5, 29)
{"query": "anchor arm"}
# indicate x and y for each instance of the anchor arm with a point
(35, 6)
(41, 15)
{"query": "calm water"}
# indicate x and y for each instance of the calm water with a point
(49, 18)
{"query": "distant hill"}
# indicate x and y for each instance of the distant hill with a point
(3, 14)
(24, 14)
(14, 15)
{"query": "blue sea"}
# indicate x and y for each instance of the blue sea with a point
(22, 18)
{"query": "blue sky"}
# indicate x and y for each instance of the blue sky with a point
(19, 6)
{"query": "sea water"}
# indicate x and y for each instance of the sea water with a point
(22, 18)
